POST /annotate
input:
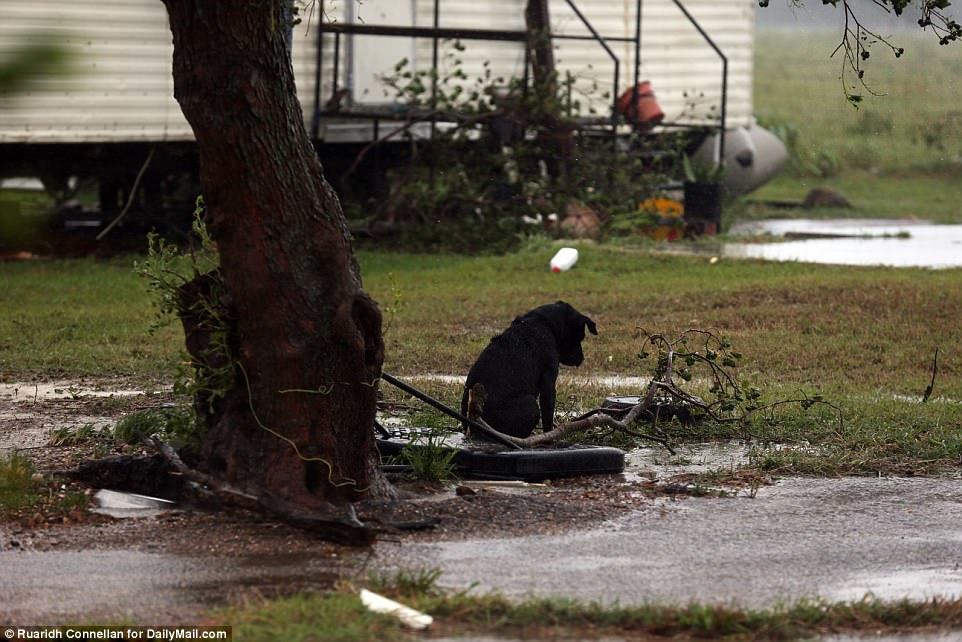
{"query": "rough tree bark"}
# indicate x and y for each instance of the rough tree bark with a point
(297, 425)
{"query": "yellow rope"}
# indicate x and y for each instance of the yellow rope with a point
(330, 468)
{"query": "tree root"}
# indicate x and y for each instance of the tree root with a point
(343, 529)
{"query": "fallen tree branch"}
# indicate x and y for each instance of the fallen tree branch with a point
(204, 483)
(728, 401)
(594, 419)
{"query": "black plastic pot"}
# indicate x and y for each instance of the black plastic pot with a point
(703, 205)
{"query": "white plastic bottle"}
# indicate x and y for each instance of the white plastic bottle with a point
(564, 259)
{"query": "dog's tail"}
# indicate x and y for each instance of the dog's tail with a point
(472, 404)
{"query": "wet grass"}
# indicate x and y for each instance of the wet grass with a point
(339, 616)
(862, 337)
(79, 317)
(27, 497)
(17, 486)
(332, 617)
(929, 196)
(804, 619)
(878, 436)
(842, 330)
(430, 461)
(896, 133)
(897, 155)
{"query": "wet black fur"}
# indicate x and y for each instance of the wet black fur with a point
(518, 369)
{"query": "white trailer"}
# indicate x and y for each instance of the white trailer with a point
(684, 48)
(118, 101)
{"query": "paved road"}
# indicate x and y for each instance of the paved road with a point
(836, 539)
(67, 587)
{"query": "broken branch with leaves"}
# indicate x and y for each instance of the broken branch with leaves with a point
(729, 400)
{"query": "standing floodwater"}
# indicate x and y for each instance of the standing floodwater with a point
(894, 243)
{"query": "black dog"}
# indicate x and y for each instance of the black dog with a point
(519, 367)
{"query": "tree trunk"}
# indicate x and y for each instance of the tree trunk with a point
(306, 339)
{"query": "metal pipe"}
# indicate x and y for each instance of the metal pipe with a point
(614, 59)
(337, 62)
(434, 65)
(577, 37)
(436, 22)
(724, 96)
(448, 33)
(634, 89)
(448, 411)
(525, 78)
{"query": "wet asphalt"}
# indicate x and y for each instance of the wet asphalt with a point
(45, 588)
(835, 539)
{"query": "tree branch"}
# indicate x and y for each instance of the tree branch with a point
(594, 419)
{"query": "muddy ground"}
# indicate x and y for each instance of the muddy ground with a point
(632, 538)
(176, 565)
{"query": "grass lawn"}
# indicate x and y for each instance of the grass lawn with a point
(79, 318)
(342, 618)
(863, 337)
(844, 330)
(898, 155)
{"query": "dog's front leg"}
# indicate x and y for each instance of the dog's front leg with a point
(546, 399)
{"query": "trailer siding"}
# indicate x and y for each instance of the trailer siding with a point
(674, 57)
(122, 90)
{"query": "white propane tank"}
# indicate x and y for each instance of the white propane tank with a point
(564, 259)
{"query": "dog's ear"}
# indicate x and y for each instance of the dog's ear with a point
(591, 325)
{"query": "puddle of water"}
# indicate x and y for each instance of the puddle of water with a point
(918, 584)
(496, 638)
(917, 399)
(915, 636)
(30, 411)
(927, 245)
(21, 428)
(50, 391)
(878, 227)
(655, 461)
(54, 587)
(801, 538)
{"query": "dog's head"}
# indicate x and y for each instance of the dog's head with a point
(568, 326)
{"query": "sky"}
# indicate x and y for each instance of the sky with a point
(814, 15)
